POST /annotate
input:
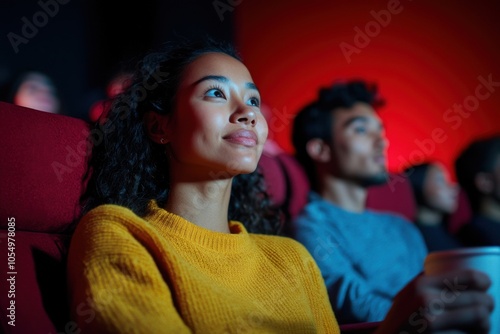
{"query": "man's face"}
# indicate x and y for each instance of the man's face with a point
(358, 145)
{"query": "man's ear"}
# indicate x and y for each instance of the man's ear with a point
(484, 183)
(157, 127)
(318, 150)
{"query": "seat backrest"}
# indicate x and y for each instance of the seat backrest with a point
(397, 196)
(287, 184)
(288, 187)
(43, 160)
(394, 196)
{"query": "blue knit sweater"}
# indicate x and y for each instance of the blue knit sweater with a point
(365, 258)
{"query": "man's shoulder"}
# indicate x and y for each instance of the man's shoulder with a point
(317, 205)
(318, 211)
(389, 216)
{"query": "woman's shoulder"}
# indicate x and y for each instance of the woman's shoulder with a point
(109, 212)
(109, 209)
(282, 246)
(107, 218)
(110, 230)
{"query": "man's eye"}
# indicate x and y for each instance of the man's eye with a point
(360, 130)
(215, 92)
(254, 102)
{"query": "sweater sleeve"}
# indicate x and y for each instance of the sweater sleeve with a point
(114, 283)
(318, 296)
(352, 296)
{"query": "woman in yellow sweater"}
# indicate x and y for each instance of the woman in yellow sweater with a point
(162, 247)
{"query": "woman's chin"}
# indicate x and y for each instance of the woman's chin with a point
(244, 169)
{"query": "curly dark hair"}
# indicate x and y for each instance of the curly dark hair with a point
(127, 168)
(478, 157)
(416, 175)
(315, 119)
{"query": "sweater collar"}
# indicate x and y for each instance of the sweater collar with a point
(174, 225)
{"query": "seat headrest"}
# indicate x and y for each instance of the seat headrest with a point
(43, 158)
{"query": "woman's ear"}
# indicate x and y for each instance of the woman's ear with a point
(318, 150)
(157, 127)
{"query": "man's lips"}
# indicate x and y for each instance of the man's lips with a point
(242, 137)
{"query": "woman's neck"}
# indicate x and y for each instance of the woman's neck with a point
(428, 217)
(490, 208)
(203, 202)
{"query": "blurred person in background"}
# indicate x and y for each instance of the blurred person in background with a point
(340, 141)
(118, 83)
(478, 173)
(34, 89)
(436, 198)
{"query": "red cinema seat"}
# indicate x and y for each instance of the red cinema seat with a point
(395, 196)
(43, 161)
(44, 158)
(286, 182)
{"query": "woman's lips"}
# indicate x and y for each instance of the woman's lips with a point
(242, 137)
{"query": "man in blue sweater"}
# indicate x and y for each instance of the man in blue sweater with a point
(365, 257)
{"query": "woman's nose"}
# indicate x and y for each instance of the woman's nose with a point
(244, 114)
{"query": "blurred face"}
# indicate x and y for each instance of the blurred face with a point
(37, 92)
(119, 84)
(359, 145)
(217, 124)
(438, 192)
(496, 180)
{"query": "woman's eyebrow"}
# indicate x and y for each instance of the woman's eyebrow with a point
(219, 78)
(251, 85)
(223, 79)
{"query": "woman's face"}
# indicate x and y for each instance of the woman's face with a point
(217, 126)
(439, 193)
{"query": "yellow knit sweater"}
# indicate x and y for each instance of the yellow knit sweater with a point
(163, 274)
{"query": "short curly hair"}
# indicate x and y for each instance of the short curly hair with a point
(315, 119)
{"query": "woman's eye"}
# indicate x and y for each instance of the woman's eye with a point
(215, 92)
(254, 102)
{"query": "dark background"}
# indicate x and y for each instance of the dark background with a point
(426, 60)
(85, 42)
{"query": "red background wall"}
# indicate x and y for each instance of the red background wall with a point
(426, 59)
